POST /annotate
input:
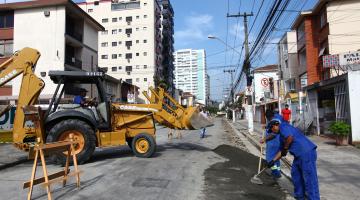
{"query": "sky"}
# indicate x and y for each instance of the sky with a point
(196, 19)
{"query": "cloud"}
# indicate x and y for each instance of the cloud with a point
(196, 28)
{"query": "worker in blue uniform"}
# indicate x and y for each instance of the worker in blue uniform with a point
(303, 170)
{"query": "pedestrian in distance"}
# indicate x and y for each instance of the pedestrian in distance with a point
(203, 129)
(303, 170)
(286, 113)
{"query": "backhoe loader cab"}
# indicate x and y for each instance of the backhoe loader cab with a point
(99, 125)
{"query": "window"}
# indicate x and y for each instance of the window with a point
(105, 20)
(145, 53)
(104, 32)
(137, 28)
(104, 44)
(128, 73)
(128, 68)
(6, 48)
(303, 80)
(114, 31)
(114, 56)
(145, 66)
(120, 42)
(125, 5)
(302, 58)
(96, 3)
(128, 20)
(128, 55)
(128, 43)
(120, 18)
(104, 56)
(7, 20)
(128, 31)
(137, 79)
(120, 55)
(120, 30)
(145, 4)
(114, 44)
(144, 28)
(114, 19)
(137, 67)
(128, 80)
(137, 54)
(114, 69)
(145, 16)
(145, 41)
(90, 10)
(145, 79)
(137, 17)
(137, 41)
(120, 68)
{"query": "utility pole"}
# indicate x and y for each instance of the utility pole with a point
(231, 71)
(246, 69)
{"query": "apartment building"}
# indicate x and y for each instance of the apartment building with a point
(130, 47)
(328, 33)
(190, 73)
(65, 35)
(167, 29)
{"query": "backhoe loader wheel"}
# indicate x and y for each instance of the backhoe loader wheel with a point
(143, 145)
(83, 134)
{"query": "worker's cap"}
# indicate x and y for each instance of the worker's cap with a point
(83, 90)
(274, 122)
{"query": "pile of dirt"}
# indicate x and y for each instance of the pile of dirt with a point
(231, 179)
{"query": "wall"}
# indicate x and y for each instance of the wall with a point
(354, 93)
(46, 34)
(343, 18)
(259, 89)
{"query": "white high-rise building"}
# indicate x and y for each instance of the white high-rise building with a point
(190, 73)
(130, 48)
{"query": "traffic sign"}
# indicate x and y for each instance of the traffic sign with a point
(265, 82)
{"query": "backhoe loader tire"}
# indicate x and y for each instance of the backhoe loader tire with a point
(82, 132)
(129, 141)
(143, 145)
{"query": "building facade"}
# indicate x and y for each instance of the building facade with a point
(325, 36)
(190, 73)
(64, 34)
(130, 47)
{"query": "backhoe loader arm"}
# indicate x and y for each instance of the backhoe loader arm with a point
(23, 62)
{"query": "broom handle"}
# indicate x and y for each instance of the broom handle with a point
(261, 152)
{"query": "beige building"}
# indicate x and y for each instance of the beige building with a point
(130, 46)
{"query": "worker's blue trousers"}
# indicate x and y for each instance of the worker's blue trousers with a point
(304, 176)
(276, 170)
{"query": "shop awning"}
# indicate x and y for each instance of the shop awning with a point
(294, 96)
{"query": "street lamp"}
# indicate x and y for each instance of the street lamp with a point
(216, 38)
(229, 71)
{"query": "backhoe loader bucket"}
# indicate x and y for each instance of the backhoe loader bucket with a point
(194, 120)
(173, 115)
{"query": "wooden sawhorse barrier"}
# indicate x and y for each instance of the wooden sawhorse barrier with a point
(47, 149)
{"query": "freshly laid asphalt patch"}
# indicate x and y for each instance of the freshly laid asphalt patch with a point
(231, 179)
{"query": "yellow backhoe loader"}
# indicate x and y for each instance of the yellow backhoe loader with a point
(103, 124)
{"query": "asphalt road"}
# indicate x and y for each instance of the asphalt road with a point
(187, 168)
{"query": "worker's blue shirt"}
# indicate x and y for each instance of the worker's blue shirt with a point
(273, 146)
(78, 99)
(301, 144)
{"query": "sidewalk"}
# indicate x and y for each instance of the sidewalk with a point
(10, 156)
(338, 166)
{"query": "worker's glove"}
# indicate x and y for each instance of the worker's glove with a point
(284, 152)
(270, 164)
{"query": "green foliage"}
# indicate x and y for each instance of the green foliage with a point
(212, 110)
(340, 128)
